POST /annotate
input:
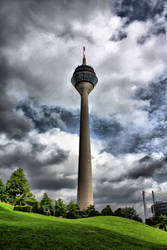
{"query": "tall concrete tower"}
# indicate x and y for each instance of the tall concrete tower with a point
(84, 79)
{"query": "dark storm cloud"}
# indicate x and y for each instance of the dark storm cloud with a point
(139, 10)
(122, 193)
(36, 167)
(19, 157)
(118, 35)
(54, 183)
(128, 139)
(68, 33)
(103, 128)
(155, 94)
(13, 124)
(142, 39)
(18, 17)
(156, 29)
(47, 117)
(118, 138)
(148, 167)
(56, 157)
(155, 11)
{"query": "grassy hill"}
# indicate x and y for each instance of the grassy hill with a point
(19, 230)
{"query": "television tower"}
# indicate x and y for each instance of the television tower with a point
(84, 79)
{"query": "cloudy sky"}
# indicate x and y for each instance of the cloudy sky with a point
(40, 46)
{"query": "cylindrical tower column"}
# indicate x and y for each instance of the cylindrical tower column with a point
(85, 192)
(84, 79)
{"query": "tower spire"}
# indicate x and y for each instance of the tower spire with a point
(84, 58)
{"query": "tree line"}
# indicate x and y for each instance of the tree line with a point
(17, 192)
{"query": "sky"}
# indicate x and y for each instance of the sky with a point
(40, 47)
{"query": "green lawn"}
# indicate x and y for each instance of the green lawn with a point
(19, 230)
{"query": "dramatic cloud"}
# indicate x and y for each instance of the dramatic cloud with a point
(141, 11)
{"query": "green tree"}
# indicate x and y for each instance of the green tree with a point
(128, 212)
(46, 205)
(91, 211)
(106, 211)
(25, 199)
(118, 212)
(73, 210)
(2, 190)
(60, 208)
(17, 185)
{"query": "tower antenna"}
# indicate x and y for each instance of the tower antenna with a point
(84, 57)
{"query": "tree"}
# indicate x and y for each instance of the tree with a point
(2, 190)
(73, 210)
(17, 185)
(91, 211)
(60, 208)
(106, 211)
(46, 205)
(128, 212)
(118, 212)
(25, 199)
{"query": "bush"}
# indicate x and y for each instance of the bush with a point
(83, 213)
(152, 221)
(157, 221)
(25, 208)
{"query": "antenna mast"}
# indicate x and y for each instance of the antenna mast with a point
(144, 203)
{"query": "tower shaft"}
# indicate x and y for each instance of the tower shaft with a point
(85, 192)
(84, 80)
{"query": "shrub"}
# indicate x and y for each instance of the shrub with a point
(157, 221)
(152, 221)
(25, 208)
(83, 213)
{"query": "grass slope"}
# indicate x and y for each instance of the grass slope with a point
(19, 230)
